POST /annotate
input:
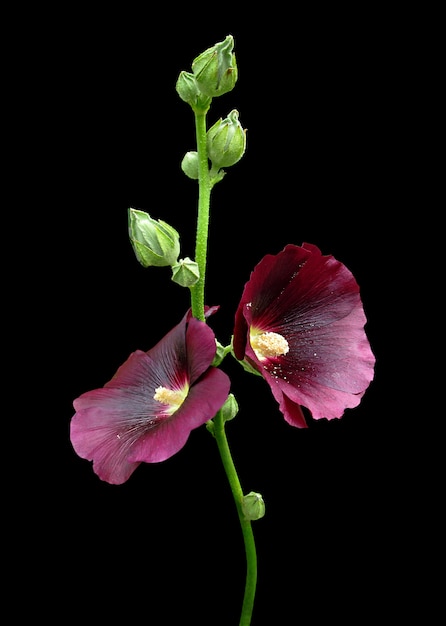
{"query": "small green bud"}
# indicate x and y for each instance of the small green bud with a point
(188, 91)
(154, 242)
(187, 87)
(215, 69)
(210, 427)
(226, 141)
(189, 164)
(230, 408)
(185, 272)
(253, 506)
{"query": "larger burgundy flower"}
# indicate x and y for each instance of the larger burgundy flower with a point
(300, 323)
(146, 412)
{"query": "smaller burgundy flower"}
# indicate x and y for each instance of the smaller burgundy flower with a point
(300, 324)
(146, 412)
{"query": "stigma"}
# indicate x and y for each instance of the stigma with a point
(267, 345)
(174, 399)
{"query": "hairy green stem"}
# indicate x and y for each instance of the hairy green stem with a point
(197, 303)
(248, 535)
(204, 199)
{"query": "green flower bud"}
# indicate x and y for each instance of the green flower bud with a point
(189, 165)
(187, 87)
(210, 427)
(253, 506)
(215, 69)
(154, 242)
(226, 141)
(185, 272)
(230, 408)
(188, 91)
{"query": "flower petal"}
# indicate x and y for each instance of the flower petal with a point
(108, 421)
(121, 425)
(201, 348)
(205, 398)
(313, 302)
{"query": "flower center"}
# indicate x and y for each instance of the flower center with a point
(269, 344)
(174, 399)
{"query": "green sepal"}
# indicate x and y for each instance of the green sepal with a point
(185, 272)
(246, 366)
(220, 353)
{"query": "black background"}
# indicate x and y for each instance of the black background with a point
(321, 97)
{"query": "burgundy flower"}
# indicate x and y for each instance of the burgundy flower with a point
(300, 324)
(146, 412)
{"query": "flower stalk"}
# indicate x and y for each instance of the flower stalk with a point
(197, 290)
(245, 523)
(204, 199)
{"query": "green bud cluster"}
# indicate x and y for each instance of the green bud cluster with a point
(214, 72)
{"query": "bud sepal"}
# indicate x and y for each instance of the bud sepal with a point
(221, 353)
(185, 272)
(246, 366)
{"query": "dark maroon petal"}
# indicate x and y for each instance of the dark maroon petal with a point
(205, 398)
(201, 348)
(185, 352)
(262, 303)
(321, 292)
(109, 455)
(261, 294)
(292, 412)
(170, 357)
(108, 421)
(313, 301)
(120, 425)
(240, 335)
(210, 310)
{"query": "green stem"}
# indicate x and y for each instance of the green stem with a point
(197, 303)
(204, 199)
(248, 535)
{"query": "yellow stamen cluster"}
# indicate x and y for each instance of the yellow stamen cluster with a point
(167, 396)
(269, 345)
